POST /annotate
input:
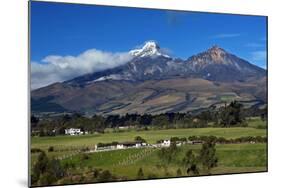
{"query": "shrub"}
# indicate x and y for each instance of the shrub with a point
(140, 173)
(51, 149)
(85, 156)
(85, 149)
(105, 176)
(35, 150)
(208, 155)
(179, 173)
(261, 127)
(46, 171)
(96, 172)
(139, 139)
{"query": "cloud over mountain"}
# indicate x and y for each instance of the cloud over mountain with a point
(56, 68)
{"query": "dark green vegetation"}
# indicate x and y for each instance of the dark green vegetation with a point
(233, 150)
(226, 139)
(144, 163)
(231, 115)
(46, 171)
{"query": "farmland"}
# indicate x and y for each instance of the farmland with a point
(124, 164)
(233, 158)
(151, 136)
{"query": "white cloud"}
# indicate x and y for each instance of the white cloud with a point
(226, 35)
(55, 68)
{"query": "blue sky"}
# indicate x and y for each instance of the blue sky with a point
(70, 29)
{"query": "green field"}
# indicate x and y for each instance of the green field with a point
(150, 136)
(232, 158)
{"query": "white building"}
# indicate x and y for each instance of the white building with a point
(73, 131)
(120, 146)
(138, 144)
(124, 145)
(166, 143)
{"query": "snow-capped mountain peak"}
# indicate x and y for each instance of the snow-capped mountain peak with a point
(150, 48)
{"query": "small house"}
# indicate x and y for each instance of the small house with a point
(137, 144)
(166, 143)
(73, 131)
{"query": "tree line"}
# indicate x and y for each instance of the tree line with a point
(230, 115)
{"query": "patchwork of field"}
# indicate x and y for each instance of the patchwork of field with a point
(151, 136)
(232, 158)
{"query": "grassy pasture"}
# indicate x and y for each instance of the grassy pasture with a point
(256, 122)
(151, 136)
(233, 158)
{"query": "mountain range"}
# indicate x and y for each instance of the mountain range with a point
(154, 82)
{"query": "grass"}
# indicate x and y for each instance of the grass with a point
(256, 122)
(233, 158)
(151, 136)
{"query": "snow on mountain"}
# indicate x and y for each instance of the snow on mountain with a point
(140, 85)
(149, 63)
(150, 48)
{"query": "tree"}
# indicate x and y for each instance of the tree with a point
(46, 171)
(41, 164)
(51, 149)
(34, 121)
(160, 121)
(167, 154)
(112, 121)
(231, 114)
(96, 172)
(140, 173)
(139, 139)
(145, 119)
(174, 139)
(190, 162)
(208, 155)
(105, 176)
(264, 114)
(98, 123)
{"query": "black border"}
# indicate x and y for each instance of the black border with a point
(146, 8)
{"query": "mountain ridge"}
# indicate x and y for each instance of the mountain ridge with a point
(153, 82)
(149, 63)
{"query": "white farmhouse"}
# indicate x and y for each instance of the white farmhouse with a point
(73, 131)
(166, 143)
(136, 144)
(139, 144)
(120, 146)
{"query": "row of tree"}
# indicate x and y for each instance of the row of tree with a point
(227, 116)
(192, 163)
(222, 140)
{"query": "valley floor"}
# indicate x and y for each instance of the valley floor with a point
(125, 163)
